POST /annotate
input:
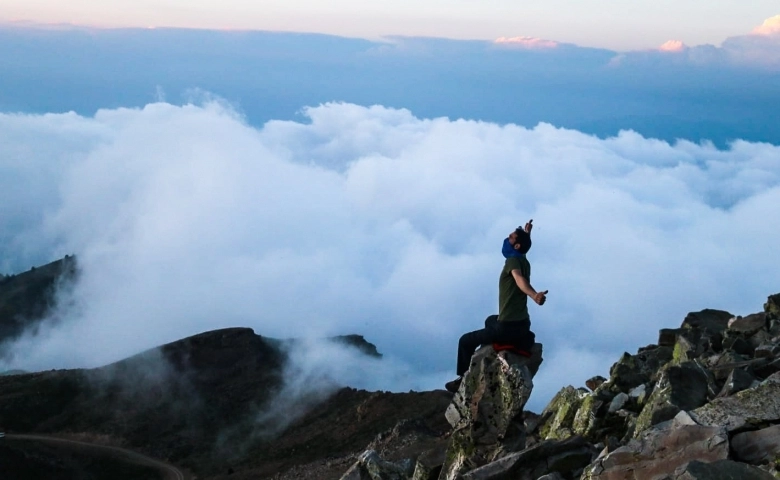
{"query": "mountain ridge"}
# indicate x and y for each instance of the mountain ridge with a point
(217, 404)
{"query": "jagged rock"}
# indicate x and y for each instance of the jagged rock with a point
(759, 338)
(764, 368)
(681, 387)
(548, 457)
(714, 342)
(428, 465)
(658, 452)
(685, 350)
(721, 470)
(558, 416)
(633, 370)
(708, 321)
(618, 402)
(772, 305)
(767, 350)
(486, 412)
(737, 381)
(736, 342)
(420, 449)
(668, 336)
(728, 361)
(749, 324)
(760, 404)
(758, 446)
(595, 382)
(639, 394)
(586, 419)
(626, 373)
(370, 466)
(531, 421)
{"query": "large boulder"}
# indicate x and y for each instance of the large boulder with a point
(659, 451)
(707, 321)
(557, 418)
(681, 387)
(760, 446)
(721, 470)
(630, 371)
(547, 458)
(428, 465)
(737, 381)
(749, 324)
(486, 412)
(735, 412)
(772, 305)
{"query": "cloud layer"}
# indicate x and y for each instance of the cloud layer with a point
(370, 220)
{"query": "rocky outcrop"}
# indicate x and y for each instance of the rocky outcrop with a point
(549, 459)
(707, 393)
(486, 412)
(701, 404)
(659, 452)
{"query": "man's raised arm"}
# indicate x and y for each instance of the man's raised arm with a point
(525, 286)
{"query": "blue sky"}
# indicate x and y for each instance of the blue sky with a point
(619, 26)
(301, 183)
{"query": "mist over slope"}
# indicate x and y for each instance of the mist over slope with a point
(216, 400)
(371, 220)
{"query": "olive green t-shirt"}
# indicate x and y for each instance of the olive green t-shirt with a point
(512, 302)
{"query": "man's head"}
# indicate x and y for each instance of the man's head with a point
(520, 240)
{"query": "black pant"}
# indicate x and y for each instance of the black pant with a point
(514, 333)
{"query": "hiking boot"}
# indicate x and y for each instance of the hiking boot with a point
(454, 385)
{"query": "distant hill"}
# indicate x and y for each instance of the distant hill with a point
(198, 403)
(26, 298)
(201, 402)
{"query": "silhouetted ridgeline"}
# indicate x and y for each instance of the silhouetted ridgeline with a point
(26, 298)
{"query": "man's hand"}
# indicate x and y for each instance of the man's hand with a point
(540, 297)
(528, 226)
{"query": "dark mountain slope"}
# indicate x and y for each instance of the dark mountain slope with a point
(27, 297)
(199, 403)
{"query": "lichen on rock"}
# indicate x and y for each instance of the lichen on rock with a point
(487, 410)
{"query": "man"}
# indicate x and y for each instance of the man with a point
(512, 325)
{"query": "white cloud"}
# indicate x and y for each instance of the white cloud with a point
(369, 220)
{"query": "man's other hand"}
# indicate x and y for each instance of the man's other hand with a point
(528, 226)
(541, 297)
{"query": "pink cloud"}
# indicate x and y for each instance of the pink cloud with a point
(771, 26)
(526, 42)
(673, 46)
(757, 49)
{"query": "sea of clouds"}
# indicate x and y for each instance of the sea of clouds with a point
(372, 221)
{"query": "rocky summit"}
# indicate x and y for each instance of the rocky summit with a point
(703, 403)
